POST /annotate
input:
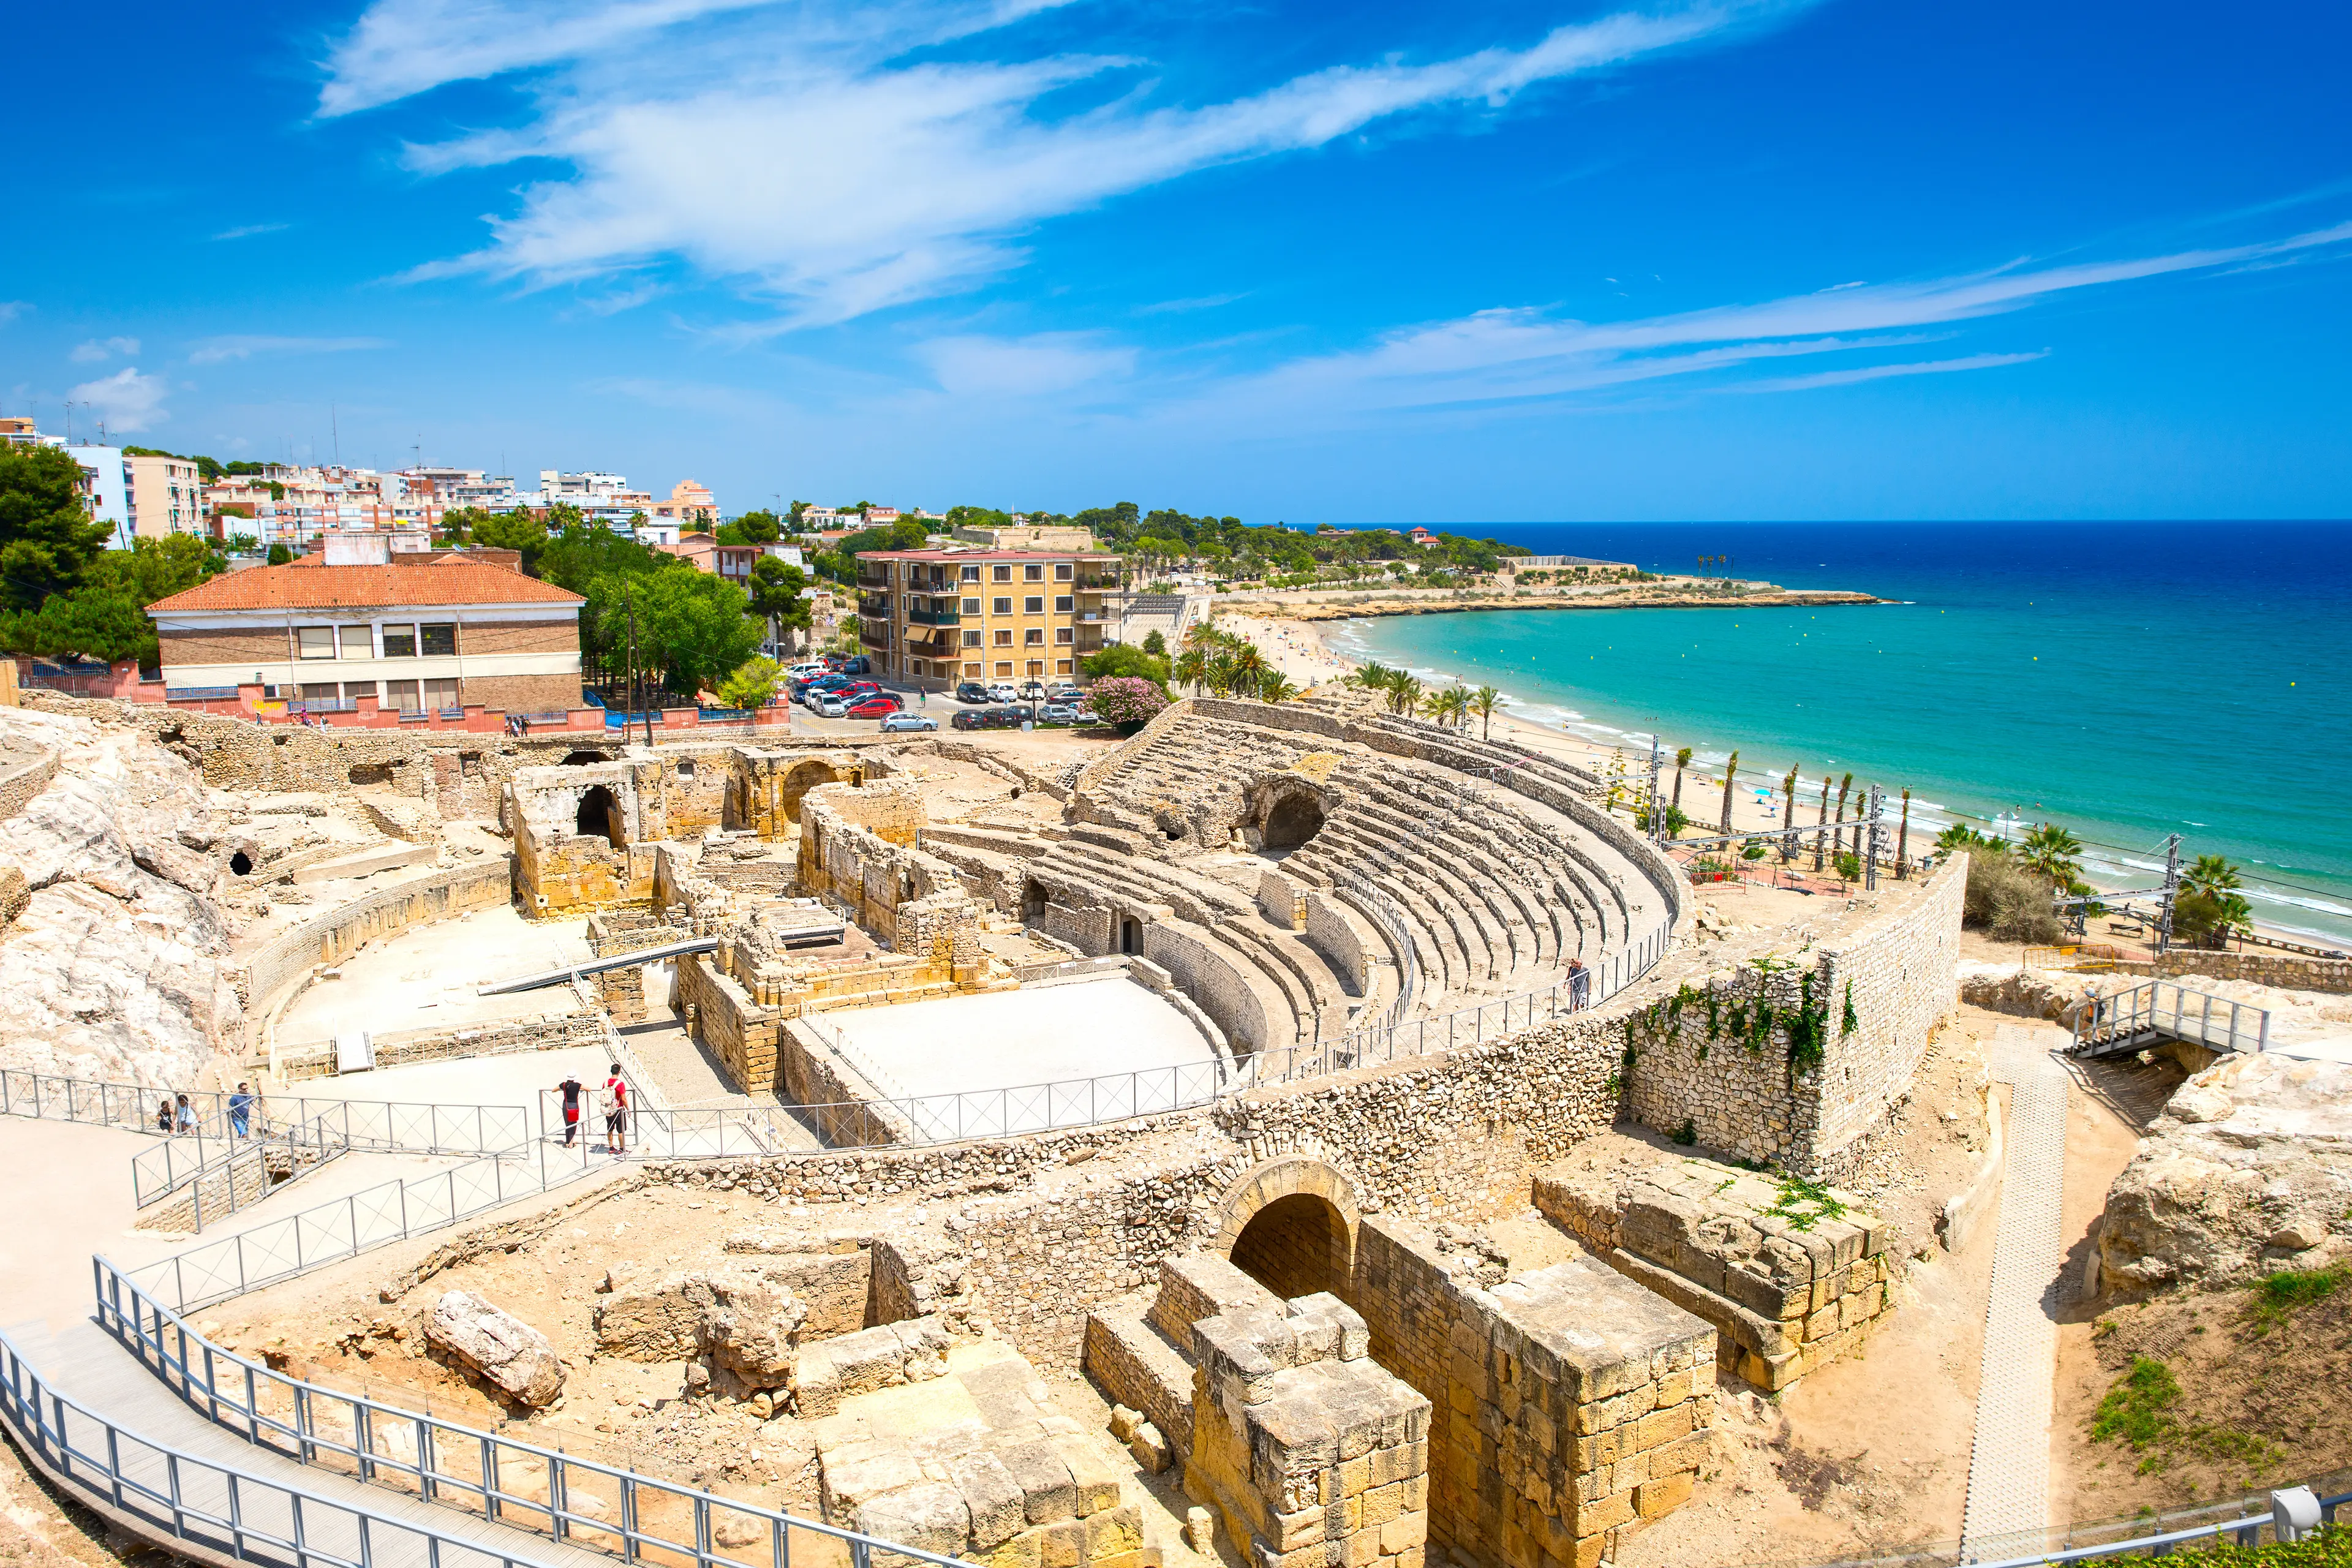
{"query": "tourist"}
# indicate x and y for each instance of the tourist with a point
(616, 1112)
(240, 1112)
(571, 1088)
(163, 1116)
(187, 1116)
(1580, 986)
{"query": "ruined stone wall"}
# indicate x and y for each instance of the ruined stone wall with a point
(2288, 971)
(335, 935)
(316, 1058)
(21, 783)
(739, 1032)
(1716, 1062)
(857, 851)
(1329, 932)
(1215, 983)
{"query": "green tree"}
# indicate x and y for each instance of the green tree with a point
(1730, 772)
(278, 555)
(692, 627)
(775, 593)
(2052, 851)
(1485, 700)
(584, 552)
(1155, 645)
(753, 684)
(1275, 687)
(1681, 760)
(458, 523)
(1124, 659)
(513, 531)
(48, 539)
(762, 527)
(105, 616)
(2211, 874)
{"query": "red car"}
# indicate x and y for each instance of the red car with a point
(879, 706)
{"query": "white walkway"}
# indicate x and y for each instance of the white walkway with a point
(2008, 1468)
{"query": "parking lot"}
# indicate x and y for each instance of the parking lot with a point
(945, 711)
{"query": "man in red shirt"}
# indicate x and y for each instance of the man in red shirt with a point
(616, 1112)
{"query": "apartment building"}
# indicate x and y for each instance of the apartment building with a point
(932, 617)
(166, 497)
(427, 631)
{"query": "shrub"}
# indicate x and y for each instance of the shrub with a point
(1126, 700)
(2007, 902)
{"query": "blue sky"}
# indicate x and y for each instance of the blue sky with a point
(1514, 262)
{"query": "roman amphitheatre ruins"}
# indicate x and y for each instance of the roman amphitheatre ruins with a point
(1290, 1136)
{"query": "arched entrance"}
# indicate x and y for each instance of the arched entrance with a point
(1292, 821)
(795, 785)
(599, 816)
(1290, 1225)
(1130, 935)
(583, 759)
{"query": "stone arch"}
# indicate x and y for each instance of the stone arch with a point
(796, 784)
(1285, 811)
(599, 816)
(1290, 1223)
(583, 759)
(1292, 820)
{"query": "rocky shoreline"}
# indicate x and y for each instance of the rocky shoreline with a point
(1278, 609)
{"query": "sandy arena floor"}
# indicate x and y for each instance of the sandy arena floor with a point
(426, 977)
(959, 1043)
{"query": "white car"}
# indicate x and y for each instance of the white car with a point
(1004, 692)
(836, 705)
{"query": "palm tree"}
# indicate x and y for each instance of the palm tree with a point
(1274, 687)
(1846, 785)
(1681, 760)
(1192, 667)
(1458, 703)
(1730, 771)
(1248, 666)
(1484, 698)
(1373, 676)
(1405, 695)
(1222, 675)
(2053, 852)
(2211, 874)
(1789, 815)
(1902, 839)
(1822, 841)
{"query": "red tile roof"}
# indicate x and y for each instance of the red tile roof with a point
(301, 586)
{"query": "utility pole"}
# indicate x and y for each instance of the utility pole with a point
(2171, 887)
(1870, 855)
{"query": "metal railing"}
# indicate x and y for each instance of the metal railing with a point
(2159, 1007)
(520, 1485)
(394, 1126)
(221, 1508)
(1384, 913)
(238, 1176)
(400, 1128)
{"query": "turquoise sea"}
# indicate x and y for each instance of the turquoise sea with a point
(2124, 680)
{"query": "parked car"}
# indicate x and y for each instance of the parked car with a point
(821, 692)
(880, 705)
(832, 705)
(971, 691)
(1033, 691)
(1058, 713)
(968, 718)
(849, 663)
(892, 723)
(1002, 691)
(1019, 713)
(1062, 691)
(805, 671)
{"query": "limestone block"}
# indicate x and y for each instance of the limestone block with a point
(991, 1498)
(1112, 1532)
(1149, 1447)
(501, 1348)
(1093, 1479)
(1048, 1491)
(929, 1515)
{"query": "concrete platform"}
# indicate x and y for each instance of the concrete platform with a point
(425, 977)
(1008, 1039)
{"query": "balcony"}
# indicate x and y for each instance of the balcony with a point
(874, 604)
(945, 617)
(872, 577)
(873, 634)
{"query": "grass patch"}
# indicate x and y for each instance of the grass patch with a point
(2329, 1546)
(1804, 1204)
(2280, 1296)
(2142, 1411)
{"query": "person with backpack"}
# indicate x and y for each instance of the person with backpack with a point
(616, 1112)
(572, 1090)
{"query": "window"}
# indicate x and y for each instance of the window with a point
(971, 607)
(972, 638)
(1033, 573)
(1035, 605)
(359, 642)
(1004, 639)
(1036, 667)
(1034, 635)
(439, 639)
(1064, 635)
(314, 642)
(1061, 571)
(1061, 667)
(1064, 603)
(441, 693)
(1003, 607)
(972, 669)
(1000, 573)
(972, 574)
(400, 642)
(1003, 667)
(320, 690)
(402, 695)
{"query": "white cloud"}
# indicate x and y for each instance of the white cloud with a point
(97, 350)
(246, 231)
(214, 351)
(802, 161)
(129, 400)
(1023, 367)
(12, 309)
(1507, 356)
(1881, 372)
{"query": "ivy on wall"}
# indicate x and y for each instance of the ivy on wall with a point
(1747, 1022)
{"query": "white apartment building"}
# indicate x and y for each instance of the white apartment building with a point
(166, 496)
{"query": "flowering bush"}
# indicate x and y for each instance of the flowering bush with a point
(1126, 698)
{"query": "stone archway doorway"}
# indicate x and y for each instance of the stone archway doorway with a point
(1290, 1225)
(1292, 821)
(599, 815)
(1130, 935)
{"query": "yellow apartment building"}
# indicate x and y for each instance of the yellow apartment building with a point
(932, 617)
